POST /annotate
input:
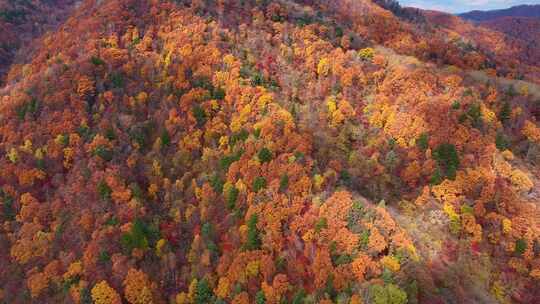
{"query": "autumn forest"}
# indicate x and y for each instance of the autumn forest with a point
(257, 151)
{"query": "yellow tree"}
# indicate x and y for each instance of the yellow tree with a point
(37, 283)
(137, 287)
(102, 293)
(531, 131)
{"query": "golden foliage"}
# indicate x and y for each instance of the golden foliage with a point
(137, 287)
(531, 131)
(323, 67)
(391, 263)
(74, 269)
(37, 283)
(521, 180)
(102, 293)
(222, 290)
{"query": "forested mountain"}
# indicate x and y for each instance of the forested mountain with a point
(510, 43)
(529, 11)
(526, 30)
(255, 151)
(23, 20)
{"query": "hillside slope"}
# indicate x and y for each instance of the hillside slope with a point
(525, 30)
(265, 152)
(509, 43)
(22, 21)
(521, 24)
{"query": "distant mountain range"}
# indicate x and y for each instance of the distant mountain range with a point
(507, 34)
(525, 28)
(529, 11)
(520, 23)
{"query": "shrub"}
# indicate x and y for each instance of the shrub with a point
(506, 111)
(8, 208)
(304, 20)
(199, 114)
(207, 230)
(257, 133)
(437, 177)
(204, 83)
(213, 248)
(265, 155)
(277, 18)
(321, 224)
(203, 293)
(391, 160)
(104, 190)
(299, 297)
(113, 221)
(84, 132)
(217, 183)
(97, 61)
(104, 153)
(86, 297)
(257, 80)
(366, 53)
(109, 134)
(136, 191)
(501, 142)
(227, 161)
(104, 257)
(259, 183)
(218, 94)
(455, 225)
(423, 141)
(241, 135)
(140, 236)
(345, 176)
(388, 294)
(140, 137)
(520, 247)
(342, 259)
(448, 159)
(30, 107)
(260, 298)
(165, 138)
(231, 197)
(354, 217)
(474, 113)
(253, 239)
(117, 80)
(338, 31)
(364, 238)
(283, 183)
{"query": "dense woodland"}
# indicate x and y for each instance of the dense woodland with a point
(255, 151)
(512, 43)
(22, 21)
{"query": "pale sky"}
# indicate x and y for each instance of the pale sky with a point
(460, 6)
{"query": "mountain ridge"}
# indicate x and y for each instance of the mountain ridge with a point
(525, 10)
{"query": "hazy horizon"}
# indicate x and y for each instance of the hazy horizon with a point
(462, 6)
